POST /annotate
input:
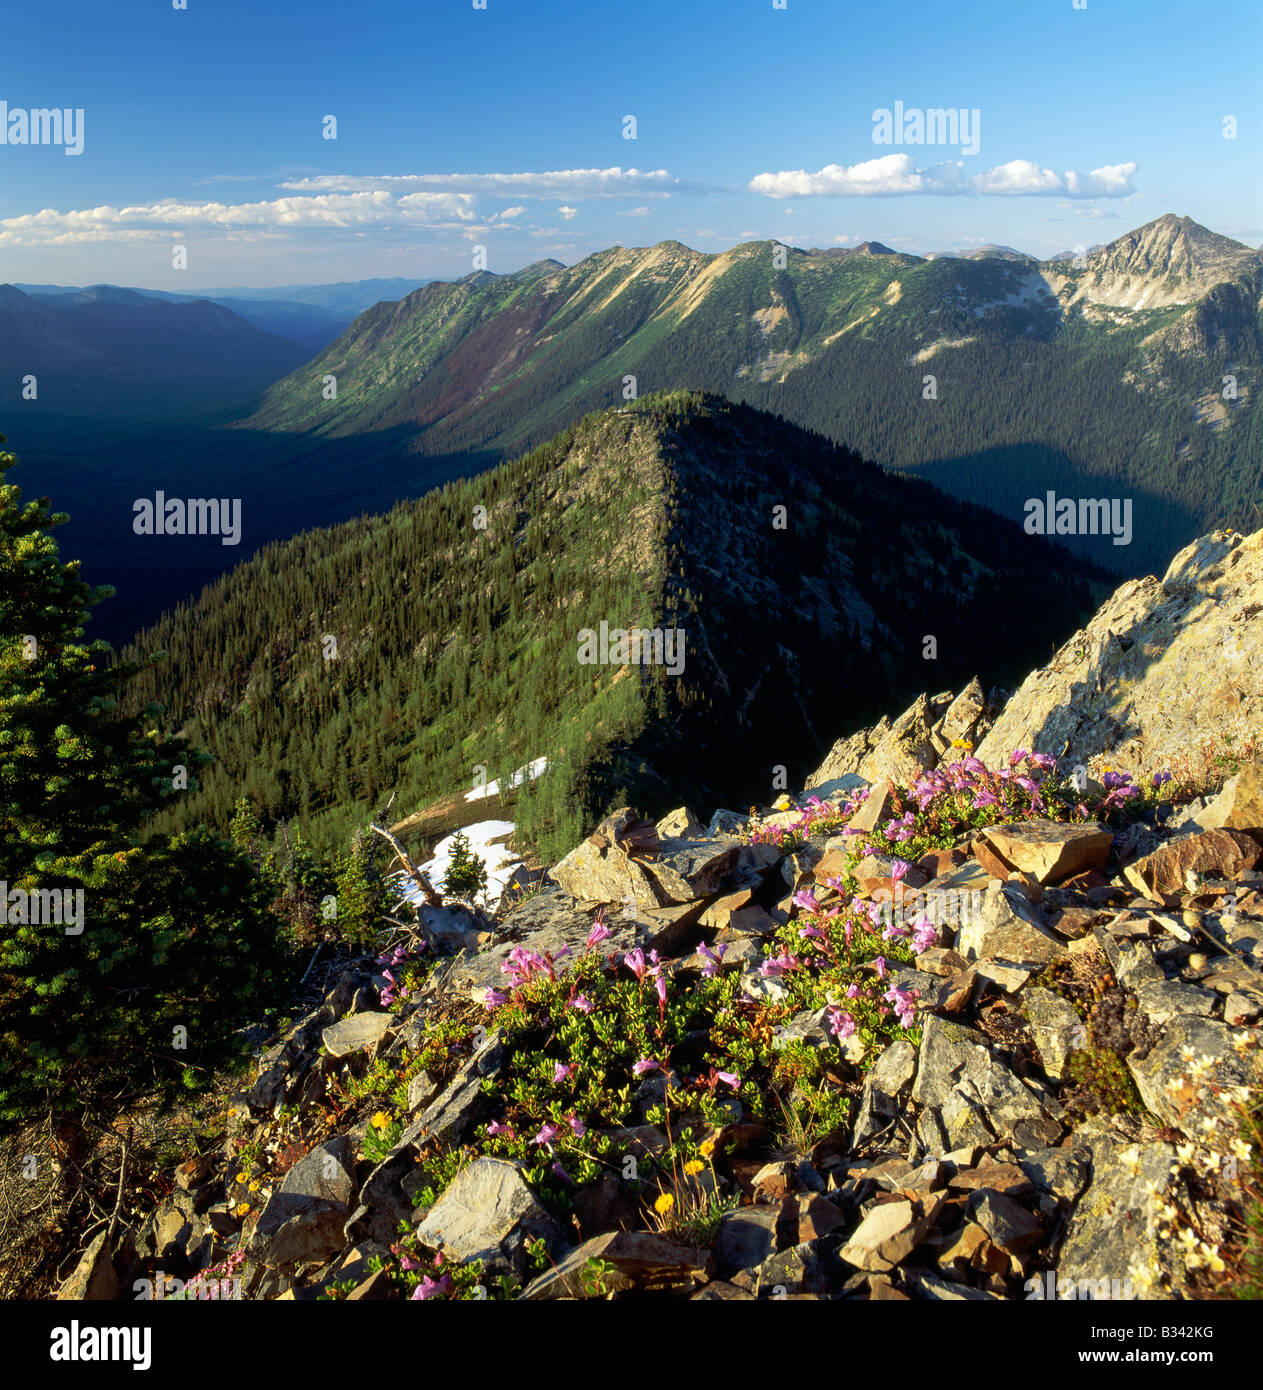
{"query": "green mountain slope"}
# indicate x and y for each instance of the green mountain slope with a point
(457, 645)
(1104, 378)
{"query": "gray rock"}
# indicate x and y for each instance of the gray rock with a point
(1131, 958)
(547, 924)
(1243, 1007)
(1057, 1028)
(639, 1259)
(886, 1236)
(1196, 1099)
(765, 988)
(488, 1213)
(879, 1105)
(1060, 1174)
(1114, 1224)
(835, 788)
(343, 992)
(590, 873)
(1007, 1223)
(1100, 697)
(798, 1270)
(448, 927)
(1006, 979)
(1161, 1001)
(303, 1221)
(94, 1278)
(680, 824)
(956, 1063)
(422, 1090)
(356, 1033)
(906, 749)
(699, 868)
(451, 1114)
(170, 1228)
(1006, 929)
(1050, 851)
(935, 1290)
(282, 1066)
(945, 1049)
(964, 1122)
(810, 1026)
(746, 1238)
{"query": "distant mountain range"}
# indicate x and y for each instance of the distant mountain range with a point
(1092, 380)
(998, 377)
(310, 315)
(117, 352)
(981, 253)
(457, 646)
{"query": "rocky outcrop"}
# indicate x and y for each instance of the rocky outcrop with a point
(919, 738)
(1165, 667)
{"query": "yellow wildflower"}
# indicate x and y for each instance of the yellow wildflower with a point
(664, 1204)
(381, 1120)
(241, 1177)
(243, 1209)
(255, 1185)
(706, 1147)
(693, 1167)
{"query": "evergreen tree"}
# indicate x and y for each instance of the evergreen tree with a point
(122, 960)
(363, 898)
(466, 873)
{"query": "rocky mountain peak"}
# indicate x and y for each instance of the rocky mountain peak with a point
(1170, 261)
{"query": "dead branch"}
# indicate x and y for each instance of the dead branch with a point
(421, 880)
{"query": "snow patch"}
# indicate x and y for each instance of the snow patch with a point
(492, 788)
(486, 840)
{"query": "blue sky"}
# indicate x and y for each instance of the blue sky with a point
(504, 128)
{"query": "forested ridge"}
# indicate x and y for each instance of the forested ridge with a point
(456, 643)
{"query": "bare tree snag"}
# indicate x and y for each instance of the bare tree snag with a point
(421, 880)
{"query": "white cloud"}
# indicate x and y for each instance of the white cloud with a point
(893, 175)
(1019, 176)
(568, 213)
(510, 213)
(614, 182)
(353, 212)
(1109, 181)
(633, 212)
